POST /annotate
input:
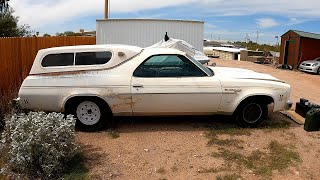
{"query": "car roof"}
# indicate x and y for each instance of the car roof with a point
(117, 49)
(92, 47)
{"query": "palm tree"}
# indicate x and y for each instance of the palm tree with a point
(4, 5)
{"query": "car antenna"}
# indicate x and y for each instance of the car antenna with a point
(166, 37)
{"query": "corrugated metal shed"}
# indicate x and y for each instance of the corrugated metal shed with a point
(146, 32)
(307, 34)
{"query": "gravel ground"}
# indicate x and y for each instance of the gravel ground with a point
(177, 148)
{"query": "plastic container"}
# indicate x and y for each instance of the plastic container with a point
(312, 122)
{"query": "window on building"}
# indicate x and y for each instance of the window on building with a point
(53, 60)
(93, 58)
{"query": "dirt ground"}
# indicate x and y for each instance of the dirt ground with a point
(177, 148)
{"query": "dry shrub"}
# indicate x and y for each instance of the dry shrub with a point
(38, 145)
(6, 103)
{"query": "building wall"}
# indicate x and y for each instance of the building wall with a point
(310, 49)
(245, 54)
(223, 55)
(292, 40)
(146, 32)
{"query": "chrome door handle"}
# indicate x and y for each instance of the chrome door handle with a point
(137, 86)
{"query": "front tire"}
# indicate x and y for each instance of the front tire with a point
(251, 113)
(319, 71)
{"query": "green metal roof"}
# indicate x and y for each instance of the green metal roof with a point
(307, 35)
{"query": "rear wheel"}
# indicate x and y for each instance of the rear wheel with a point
(251, 113)
(91, 114)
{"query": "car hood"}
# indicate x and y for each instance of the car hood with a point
(238, 73)
(310, 62)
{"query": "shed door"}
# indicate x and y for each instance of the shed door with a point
(289, 52)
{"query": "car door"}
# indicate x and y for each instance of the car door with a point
(173, 85)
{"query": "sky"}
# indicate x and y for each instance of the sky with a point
(228, 20)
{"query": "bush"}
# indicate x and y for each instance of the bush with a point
(6, 105)
(38, 144)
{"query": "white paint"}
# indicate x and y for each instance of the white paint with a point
(217, 94)
(146, 32)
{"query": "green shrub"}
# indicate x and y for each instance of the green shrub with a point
(38, 144)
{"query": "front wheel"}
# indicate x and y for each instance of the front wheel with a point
(251, 113)
(319, 71)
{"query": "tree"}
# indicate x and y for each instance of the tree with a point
(46, 35)
(4, 6)
(9, 25)
(68, 33)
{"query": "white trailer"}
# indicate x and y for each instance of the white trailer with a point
(146, 32)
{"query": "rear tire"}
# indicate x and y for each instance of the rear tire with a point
(91, 114)
(251, 113)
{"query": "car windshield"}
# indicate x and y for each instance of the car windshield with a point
(202, 67)
(318, 59)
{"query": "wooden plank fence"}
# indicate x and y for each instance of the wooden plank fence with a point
(17, 56)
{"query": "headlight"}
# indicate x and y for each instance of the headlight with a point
(316, 64)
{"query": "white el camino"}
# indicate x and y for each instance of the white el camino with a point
(98, 82)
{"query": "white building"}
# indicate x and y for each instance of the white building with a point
(146, 32)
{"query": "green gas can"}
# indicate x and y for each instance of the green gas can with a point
(312, 122)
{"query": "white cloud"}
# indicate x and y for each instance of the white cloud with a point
(266, 22)
(39, 13)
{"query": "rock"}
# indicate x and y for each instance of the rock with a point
(146, 150)
(297, 173)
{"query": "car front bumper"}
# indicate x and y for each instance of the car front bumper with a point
(311, 69)
(288, 105)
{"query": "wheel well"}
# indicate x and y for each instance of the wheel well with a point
(77, 99)
(259, 98)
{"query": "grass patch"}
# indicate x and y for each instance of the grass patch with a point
(76, 169)
(174, 169)
(228, 129)
(230, 156)
(113, 134)
(212, 170)
(278, 158)
(229, 177)
(161, 170)
(275, 125)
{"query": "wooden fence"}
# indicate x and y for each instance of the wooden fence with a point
(17, 56)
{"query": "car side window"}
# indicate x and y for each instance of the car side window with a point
(54, 60)
(93, 58)
(168, 66)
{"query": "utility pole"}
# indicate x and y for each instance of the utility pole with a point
(277, 42)
(106, 9)
(257, 39)
(247, 40)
